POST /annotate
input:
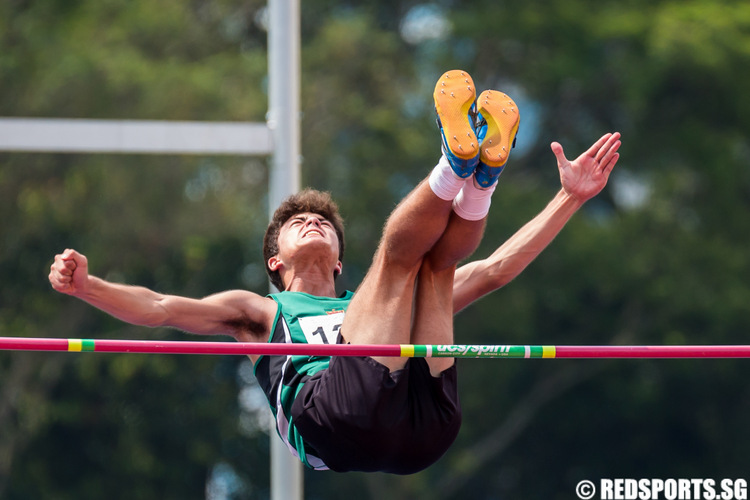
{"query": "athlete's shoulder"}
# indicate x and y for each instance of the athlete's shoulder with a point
(247, 314)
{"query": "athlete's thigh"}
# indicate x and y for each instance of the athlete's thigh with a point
(381, 310)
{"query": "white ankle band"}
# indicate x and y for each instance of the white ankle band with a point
(444, 183)
(473, 203)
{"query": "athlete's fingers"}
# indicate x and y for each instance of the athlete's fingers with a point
(606, 145)
(610, 150)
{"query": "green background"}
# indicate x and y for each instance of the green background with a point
(659, 257)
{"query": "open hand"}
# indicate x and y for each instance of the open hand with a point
(584, 177)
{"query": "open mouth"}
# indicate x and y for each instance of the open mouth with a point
(312, 231)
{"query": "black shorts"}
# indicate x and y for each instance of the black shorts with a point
(358, 416)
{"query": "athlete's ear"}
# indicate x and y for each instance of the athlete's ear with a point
(275, 263)
(338, 269)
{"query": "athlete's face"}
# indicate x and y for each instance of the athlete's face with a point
(309, 235)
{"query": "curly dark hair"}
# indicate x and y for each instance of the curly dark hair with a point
(307, 200)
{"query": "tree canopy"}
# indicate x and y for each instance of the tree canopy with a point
(658, 258)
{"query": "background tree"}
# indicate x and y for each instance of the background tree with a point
(657, 258)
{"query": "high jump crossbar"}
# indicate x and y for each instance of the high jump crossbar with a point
(394, 350)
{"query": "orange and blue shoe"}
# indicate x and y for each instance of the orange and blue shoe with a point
(496, 128)
(456, 116)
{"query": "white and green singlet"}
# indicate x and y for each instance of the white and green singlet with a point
(301, 319)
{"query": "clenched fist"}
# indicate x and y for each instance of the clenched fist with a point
(69, 272)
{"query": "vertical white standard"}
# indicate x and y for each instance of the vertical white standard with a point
(283, 120)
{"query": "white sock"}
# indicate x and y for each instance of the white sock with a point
(444, 183)
(473, 203)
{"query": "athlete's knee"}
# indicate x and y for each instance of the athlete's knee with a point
(393, 262)
(439, 263)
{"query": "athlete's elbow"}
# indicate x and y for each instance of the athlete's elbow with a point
(498, 277)
(157, 316)
(153, 320)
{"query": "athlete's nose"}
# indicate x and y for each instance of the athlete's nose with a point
(314, 220)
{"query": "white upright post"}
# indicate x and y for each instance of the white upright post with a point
(284, 97)
(284, 122)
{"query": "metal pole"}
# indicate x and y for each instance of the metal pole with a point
(284, 97)
(76, 135)
(283, 120)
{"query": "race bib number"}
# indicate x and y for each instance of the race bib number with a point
(323, 329)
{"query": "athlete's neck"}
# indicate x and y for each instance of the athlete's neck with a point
(314, 284)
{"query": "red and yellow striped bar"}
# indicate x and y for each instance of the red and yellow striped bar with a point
(409, 351)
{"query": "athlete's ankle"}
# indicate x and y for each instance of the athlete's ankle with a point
(444, 182)
(473, 203)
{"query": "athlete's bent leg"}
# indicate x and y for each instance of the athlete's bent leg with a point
(381, 310)
(433, 304)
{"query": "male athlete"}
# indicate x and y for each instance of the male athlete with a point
(385, 414)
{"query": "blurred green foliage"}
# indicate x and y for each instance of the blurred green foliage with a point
(658, 258)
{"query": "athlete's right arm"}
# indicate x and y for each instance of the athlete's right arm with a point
(239, 313)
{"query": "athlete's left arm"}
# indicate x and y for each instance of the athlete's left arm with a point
(581, 180)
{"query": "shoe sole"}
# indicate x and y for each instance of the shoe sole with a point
(454, 95)
(502, 117)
